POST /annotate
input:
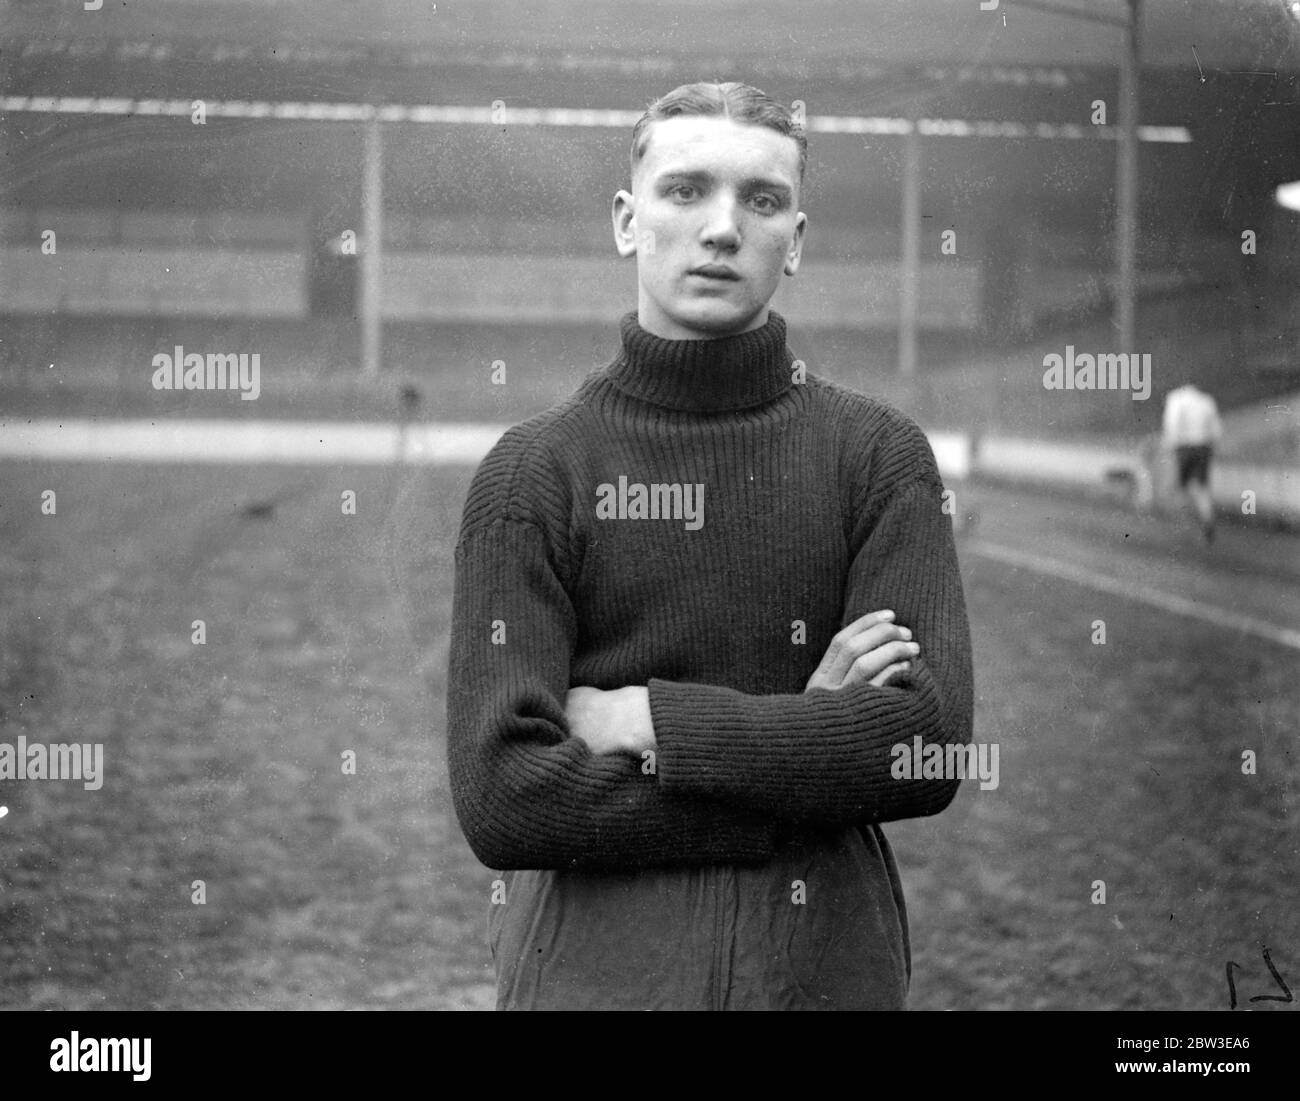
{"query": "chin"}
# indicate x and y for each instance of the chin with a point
(715, 318)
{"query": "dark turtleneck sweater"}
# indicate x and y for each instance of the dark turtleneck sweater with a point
(701, 518)
(819, 505)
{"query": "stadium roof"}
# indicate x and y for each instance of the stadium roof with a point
(1227, 70)
(1186, 34)
(946, 58)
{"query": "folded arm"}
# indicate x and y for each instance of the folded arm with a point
(825, 756)
(527, 794)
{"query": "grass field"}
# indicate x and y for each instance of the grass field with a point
(223, 763)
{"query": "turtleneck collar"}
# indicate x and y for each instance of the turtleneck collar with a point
(723, 374)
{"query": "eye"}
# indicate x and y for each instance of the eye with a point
(677, 189)
(765, 203)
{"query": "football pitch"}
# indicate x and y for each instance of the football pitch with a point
(274, 828)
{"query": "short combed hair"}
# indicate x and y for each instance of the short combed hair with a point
(738, 102)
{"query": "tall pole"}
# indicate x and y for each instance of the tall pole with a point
(909, 274)
(1126, 184)
(372, 247)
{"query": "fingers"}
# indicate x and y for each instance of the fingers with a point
(870, 665)
(843, 650)
(866, 645)
(863, 622)
(881, 679)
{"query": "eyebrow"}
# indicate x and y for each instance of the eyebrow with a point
(700, 176)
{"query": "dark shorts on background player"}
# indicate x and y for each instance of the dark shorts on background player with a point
(1193, 463)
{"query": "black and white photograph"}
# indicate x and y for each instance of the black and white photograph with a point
(676, 505)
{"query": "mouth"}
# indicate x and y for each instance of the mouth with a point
(716, 271)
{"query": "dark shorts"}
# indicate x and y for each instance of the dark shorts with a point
(1193, 464)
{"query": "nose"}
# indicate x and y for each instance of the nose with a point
(721, 229)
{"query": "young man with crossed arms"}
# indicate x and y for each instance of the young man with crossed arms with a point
(676, 737)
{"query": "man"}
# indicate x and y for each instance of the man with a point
(1191, 429)
(696, 606)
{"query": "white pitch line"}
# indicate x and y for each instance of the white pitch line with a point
(230, 441)
(1179, 605)
(255, 441)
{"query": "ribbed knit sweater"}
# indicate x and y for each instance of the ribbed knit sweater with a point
(819, 505)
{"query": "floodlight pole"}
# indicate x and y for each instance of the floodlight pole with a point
(1126, 191)
(372, 247)
(1126, 163)
(1126, 183)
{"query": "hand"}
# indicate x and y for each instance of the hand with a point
(870, 650)
(617, 721)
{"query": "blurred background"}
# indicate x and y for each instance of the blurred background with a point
(168, 227)
(387, 201)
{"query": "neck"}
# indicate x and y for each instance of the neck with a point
(728, 373)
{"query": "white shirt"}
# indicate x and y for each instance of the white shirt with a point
(1191, 418)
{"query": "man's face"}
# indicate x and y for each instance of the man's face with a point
(713, 221)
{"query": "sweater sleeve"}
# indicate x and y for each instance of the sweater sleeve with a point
(823, 756)
(527, 794)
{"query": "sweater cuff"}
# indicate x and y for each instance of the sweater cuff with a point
(695, 737)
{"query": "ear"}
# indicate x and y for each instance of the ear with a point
(793, 257)
(624, 214)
